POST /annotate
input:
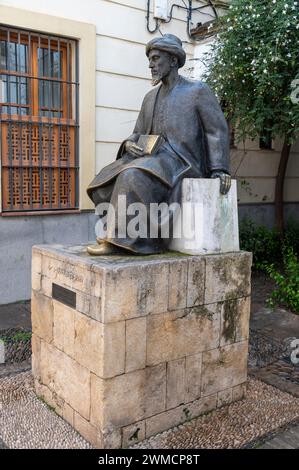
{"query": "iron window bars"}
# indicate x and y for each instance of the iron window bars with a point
(38, 121)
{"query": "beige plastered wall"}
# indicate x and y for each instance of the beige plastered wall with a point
(86, 36)
(114, 74)
(256, 169)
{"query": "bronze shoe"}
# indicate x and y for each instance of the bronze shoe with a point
(104, 249)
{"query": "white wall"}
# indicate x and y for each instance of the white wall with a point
(122, 74)
(200, 58)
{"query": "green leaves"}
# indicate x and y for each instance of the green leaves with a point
(287, 284)
(253, 64)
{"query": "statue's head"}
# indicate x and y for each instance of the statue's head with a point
(165, 54)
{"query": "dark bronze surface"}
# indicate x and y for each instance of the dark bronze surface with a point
(64, 295)
(188, 116)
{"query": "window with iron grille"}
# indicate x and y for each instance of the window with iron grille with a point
(38, 121)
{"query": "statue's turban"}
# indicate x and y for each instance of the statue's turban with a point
(168, 43)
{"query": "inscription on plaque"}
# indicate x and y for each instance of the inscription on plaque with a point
(66, 296)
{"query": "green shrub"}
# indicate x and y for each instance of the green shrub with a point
(287, 281)
(264, 243)
(292, 235)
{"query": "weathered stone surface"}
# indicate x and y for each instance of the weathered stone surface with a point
(193, 377)
(83, 303)
(46, 286)
(88, 343)
(177, 286)
(134, 291)
(135, 344)
(114, 349)
(242, 327)
(36, 355)
(118, 401)
(155, 389)
(36, 280)
(224, 397)
(235, 321)
(196, 282)
(178, 415)
(98, 347)
(42, 316)
(50, 397)
(66, 378)
(64, 327)
(86, 429)
(36, 263)
(43, 392)
(96, 283)
(111, 440)
(239, 392)
(67, 274)
(224, 368)
(174, 335)
(227, 276)
(175, 383)
(36, 269)
(133, 433)
(203, 405)
(89, 305)
(95, 308)
(68, 414)
(141, 352)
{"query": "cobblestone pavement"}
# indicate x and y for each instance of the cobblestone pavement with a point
(27, 422)
(2, 445)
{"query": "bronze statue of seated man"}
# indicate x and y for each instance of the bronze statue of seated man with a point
(193, 142)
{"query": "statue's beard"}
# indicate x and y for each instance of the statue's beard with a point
(156, 80)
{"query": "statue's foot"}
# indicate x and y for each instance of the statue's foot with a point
(104, 249)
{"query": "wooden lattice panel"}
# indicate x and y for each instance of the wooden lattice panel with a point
(37, 188)
(34, 145)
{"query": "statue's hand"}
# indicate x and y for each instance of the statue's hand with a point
(133, 149)
(225, 180)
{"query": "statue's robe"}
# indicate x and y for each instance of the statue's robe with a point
(196, 143)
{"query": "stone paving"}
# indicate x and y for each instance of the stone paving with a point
(274, 365)
(288, 439)
(281, 374)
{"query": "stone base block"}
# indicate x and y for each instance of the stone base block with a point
(127, 347)
(208, 221)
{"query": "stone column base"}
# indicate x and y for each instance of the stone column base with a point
(127, 347)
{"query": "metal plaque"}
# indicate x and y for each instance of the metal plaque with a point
(64, 295)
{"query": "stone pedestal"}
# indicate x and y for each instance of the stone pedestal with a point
(208, 222)
(127, 347)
